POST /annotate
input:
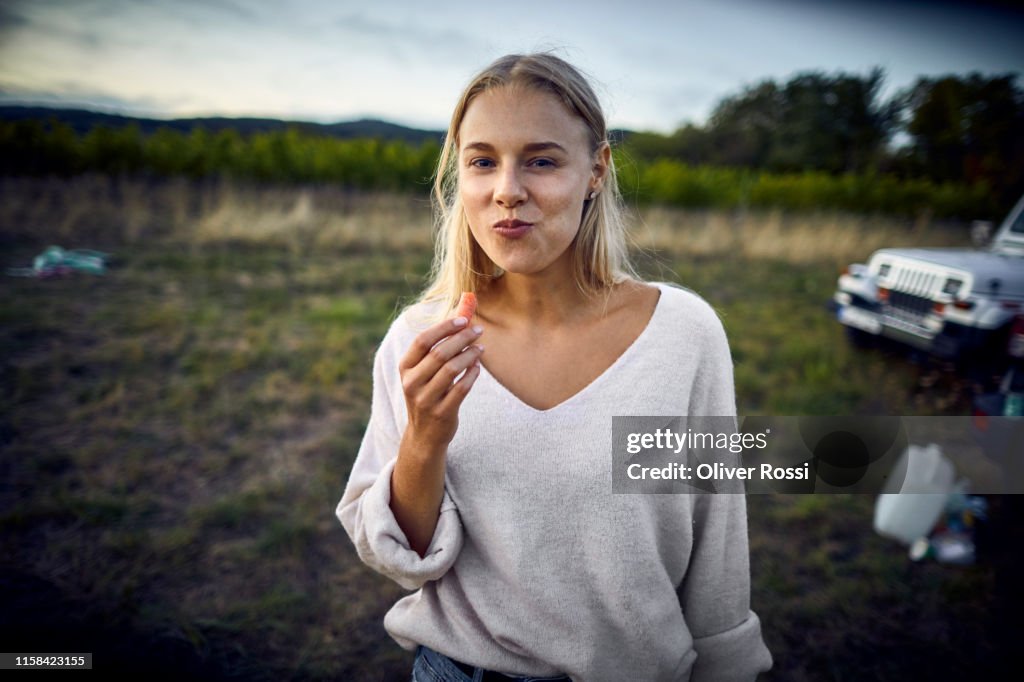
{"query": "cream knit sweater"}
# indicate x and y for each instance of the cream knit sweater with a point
(535, 566)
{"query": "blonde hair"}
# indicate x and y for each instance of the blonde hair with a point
(601, 255)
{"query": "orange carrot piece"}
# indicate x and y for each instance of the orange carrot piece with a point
(467, 305)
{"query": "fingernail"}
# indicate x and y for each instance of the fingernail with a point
(478, 329)
(460, 321)
(480, 347)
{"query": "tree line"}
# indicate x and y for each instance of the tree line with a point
(965, 130)
(33, 147)
(950, 146)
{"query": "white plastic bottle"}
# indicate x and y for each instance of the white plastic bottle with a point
(911, 512)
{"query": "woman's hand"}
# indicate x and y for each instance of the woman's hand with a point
(432, 397)
(428, 369)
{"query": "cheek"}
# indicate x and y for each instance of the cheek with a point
(562, 201)
(472, 192)
(474, 205)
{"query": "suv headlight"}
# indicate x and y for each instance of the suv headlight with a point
(952, 286)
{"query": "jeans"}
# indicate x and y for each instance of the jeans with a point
(432, 666)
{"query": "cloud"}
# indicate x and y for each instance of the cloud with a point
(28, 23)
(11, 19)
(70, 95)
(201, 14)
(410, 40)
(226, 7)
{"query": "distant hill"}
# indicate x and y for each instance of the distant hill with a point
(81, 121)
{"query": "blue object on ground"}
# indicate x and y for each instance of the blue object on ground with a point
(55, 262)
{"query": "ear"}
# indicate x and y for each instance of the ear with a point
(599, 171)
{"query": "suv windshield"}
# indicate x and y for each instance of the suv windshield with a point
(1018, 224)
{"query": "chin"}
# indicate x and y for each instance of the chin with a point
(523, 263)
(517, 268)
(511, 263)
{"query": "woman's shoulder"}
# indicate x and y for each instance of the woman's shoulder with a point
(686, 322)
(686, 302)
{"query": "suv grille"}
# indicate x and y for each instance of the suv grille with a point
(908, 303)
(916, 283)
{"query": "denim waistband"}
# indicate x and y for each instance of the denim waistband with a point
(441, 668)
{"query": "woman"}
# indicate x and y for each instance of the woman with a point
(484, 478)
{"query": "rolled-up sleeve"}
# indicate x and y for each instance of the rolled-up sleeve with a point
(365, 507)
(715, 593)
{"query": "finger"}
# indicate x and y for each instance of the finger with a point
(437, 356)
(428, 338)
(460, 389)
(446, 374)
(448, 348)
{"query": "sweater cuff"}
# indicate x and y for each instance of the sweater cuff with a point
(386, 548)
(739, 653)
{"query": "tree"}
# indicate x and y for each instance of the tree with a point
(836, 124)
(742, 128)
(814, 122)
(968, 129)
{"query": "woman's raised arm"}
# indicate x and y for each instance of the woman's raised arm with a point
(398, 516)
(432, 396)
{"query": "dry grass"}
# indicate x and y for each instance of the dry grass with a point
(834, 238)
(100, 210)
(314, 218)
(174, 436)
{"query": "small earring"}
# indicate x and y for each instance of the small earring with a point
(592, 195)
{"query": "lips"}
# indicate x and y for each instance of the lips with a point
(512, 229)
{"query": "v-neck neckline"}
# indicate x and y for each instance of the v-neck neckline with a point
(599, 379)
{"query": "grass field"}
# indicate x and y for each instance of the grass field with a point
(175, 435)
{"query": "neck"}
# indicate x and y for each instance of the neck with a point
(541, 300)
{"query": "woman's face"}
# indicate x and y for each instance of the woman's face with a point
(525, 169)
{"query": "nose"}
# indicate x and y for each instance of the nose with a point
(509, 191)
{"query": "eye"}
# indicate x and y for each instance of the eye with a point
(543, 163)
(481, 163)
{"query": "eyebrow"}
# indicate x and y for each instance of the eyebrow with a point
(531, 147)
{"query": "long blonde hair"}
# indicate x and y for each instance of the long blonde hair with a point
(601, 255)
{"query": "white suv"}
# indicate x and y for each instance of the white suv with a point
(952, 303)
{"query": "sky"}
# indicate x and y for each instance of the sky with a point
(655, 64)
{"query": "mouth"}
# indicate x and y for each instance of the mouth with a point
(512, 229)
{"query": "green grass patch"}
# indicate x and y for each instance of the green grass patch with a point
(175, 435)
